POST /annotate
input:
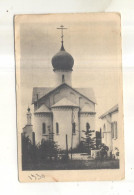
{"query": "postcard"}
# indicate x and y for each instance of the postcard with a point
(69, 93)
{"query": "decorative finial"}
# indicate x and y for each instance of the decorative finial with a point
(62, 28)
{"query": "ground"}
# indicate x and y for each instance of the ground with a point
(74, 164)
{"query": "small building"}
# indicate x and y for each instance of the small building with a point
(109, 129)
(28, 129)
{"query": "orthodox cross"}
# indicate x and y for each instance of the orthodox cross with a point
(62, 28)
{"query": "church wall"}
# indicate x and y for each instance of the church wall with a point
(39, 119)
(86, 118)
(71, 95)
(84, 102)
(64, 118)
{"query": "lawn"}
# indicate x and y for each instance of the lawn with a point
(72, 165)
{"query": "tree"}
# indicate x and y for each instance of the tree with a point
(88, 142)
(47, 150)
(28, 151)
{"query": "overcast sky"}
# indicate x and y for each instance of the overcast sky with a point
(94, 42)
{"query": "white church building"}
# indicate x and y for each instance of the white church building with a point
(63, 111)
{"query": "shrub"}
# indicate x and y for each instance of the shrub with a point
(28, 150)
(47, 150)
(116, 153)
(103, 151)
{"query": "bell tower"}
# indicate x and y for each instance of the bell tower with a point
(29, 116)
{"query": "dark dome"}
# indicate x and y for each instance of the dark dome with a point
(62, 60)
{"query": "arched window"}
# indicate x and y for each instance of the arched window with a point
(57, 128)
(87, 127)
(73, 128)
(63, 78)
(43, 128)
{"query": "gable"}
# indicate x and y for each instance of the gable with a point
(64, 91)
(43, 108)
(40, 92)
(63, 103)
(110, 111)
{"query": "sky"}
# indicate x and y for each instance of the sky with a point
(94, 41)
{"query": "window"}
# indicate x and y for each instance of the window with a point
(114, 130)
(57, 128)
(104, 130)
(63, 78)
(73, 128)
(87, 127)
(43, 128)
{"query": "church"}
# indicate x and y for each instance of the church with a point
(63, 112)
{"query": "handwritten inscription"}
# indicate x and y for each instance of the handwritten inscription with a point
(36, 177)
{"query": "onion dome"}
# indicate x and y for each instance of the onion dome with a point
(62, 60)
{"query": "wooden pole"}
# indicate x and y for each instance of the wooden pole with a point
(72, 137)
(72, 143)
(79, 120)
(66, 145)
(37, 101)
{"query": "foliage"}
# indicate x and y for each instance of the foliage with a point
(47, 150)
(28, 150)
(116, 153)
(32, 154)
(88, 141)
(103, 151)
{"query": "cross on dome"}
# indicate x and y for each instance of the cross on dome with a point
(62, 28)
(62, 60)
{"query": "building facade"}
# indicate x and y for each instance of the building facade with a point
(109, 129)
(63, 111)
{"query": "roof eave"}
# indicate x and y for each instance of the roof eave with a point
(60, 86)
(107, 113)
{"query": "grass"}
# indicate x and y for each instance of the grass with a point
(72, 165)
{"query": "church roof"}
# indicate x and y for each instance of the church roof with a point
(87, 92)
(43, 109)
(110, 111)
(64, 103)
(43, 91)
